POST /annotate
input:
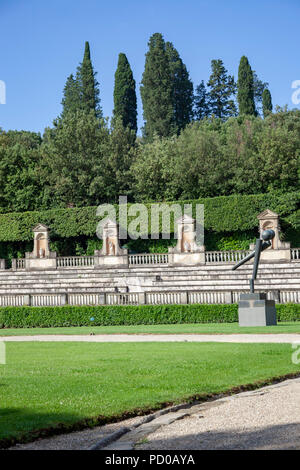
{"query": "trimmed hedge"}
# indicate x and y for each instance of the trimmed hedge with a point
(222, 214)
(30, 317)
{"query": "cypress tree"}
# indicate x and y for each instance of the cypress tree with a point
(182, 89)
(245, 95)
(124, 94)
(71, 101)
(157, 90)
(86, 76)
(201, 102)
(222, 88)
(266, 102)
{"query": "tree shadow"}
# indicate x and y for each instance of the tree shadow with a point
(19, 425)
(283, 437)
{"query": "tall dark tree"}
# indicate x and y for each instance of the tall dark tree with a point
(182, 88)
(245, 86)
(157, 90)
(86, 77)
(201, 107)
(71, 101)
(258, 87)
(124, 94)
(222, 89)
(267, 102)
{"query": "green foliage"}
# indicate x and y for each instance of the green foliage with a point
(125, 106)
(267, 102)
(71, 101)
(119, 151)
(245, 87)
(182, 89)
(26, 317)
(201, 107)
(29, 317)
(222, 214)
(89, 87)
(229, 241)
(21, 188)
(222, 88)
(157, 90)
(258, 88)
(72, 159)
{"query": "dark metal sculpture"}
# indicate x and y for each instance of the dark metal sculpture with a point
(261, 244)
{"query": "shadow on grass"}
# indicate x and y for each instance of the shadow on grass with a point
(25, 425)
(28, 425)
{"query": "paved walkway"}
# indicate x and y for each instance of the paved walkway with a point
(142, 338)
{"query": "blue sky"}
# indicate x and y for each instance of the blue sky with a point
(42, 42)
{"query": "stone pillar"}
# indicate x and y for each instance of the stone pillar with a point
(2, 264)
(111, 254)
(41, 257)
(186, 252)
(279, 251)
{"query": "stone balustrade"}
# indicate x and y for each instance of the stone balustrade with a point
(225, 256)
(140, 298)
(295, 254)
(148, 258)
(75, 261)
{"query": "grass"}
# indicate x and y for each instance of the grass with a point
(201, 328)
(52, 386)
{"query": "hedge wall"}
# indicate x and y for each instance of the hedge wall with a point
(222, 214)
(26, 317)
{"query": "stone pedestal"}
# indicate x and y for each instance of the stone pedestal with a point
(41, 257)
(186, 259)
(110, 261)
(186, 252)
(256, 310)
(111, 255)
(279, 252)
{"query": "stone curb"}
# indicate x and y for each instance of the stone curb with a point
(105, 441)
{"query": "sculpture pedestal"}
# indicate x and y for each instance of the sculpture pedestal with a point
(256, 310)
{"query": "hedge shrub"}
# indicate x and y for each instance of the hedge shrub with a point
(222, 214)
(30, 317)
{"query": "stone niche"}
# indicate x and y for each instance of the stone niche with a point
(186, 252)
(111, 253)
(278, 251)
(41, 257)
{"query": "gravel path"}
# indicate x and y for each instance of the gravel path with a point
(142, 338)
(79, 440)
(268, 418)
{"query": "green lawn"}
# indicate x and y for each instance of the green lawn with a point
(46, 385)
(204, 328)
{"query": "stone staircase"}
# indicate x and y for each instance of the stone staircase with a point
(154, 278)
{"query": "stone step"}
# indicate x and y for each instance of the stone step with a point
(154, 269)
(144, 280)
(107, 275)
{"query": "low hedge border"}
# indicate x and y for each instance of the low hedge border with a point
(31, 317)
